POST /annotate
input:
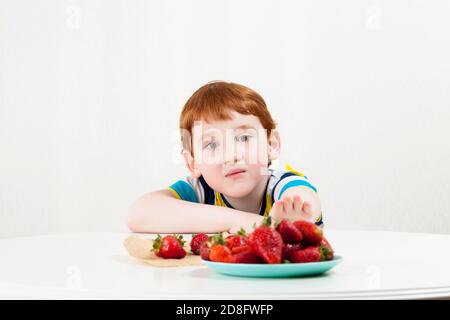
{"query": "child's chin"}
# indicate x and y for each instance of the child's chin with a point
(238, 192)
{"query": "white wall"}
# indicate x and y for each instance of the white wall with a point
(90, 94)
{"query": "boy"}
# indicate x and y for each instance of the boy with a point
(228, 142)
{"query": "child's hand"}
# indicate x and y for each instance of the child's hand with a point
(291, 208)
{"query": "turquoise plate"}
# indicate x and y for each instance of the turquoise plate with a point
(282, 270)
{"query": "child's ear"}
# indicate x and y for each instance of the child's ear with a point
(189, 161)
(274, 145)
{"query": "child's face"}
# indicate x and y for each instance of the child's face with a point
(237, 144)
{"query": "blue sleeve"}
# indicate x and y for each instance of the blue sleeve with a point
(184, 191)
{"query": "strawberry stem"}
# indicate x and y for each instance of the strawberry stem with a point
(242, 232)
(267, 222)
(218, 239)
(180, 239)
(324, 252)
(157, 243)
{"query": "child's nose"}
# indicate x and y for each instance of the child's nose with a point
(233, 154)
(230, 157)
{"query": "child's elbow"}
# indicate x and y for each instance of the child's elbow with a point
(132, 222)
(135, 217)
(132, 226)
(141, 217)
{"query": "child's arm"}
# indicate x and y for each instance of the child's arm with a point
(161, 212)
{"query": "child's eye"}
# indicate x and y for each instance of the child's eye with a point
(243, 138)
(211, 146)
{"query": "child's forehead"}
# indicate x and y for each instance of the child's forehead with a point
(238, 122)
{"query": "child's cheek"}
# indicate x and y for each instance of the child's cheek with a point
(212, 174)
(252, 155)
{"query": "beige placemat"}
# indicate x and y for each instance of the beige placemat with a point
(141, 249)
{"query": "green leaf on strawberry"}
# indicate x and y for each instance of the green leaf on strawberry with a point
(242, 232)
(218, 239)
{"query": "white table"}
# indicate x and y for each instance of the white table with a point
(384, 265)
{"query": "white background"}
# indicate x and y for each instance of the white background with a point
(91, 91)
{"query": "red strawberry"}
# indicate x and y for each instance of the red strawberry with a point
(288, 249)
(310, 254)
(197, 241)
(204, 251)
(169, 247)
(246, 257)
(241, 249)
(289, 232)
(330, 253)
(220, 253)
(312, 234)
(236, 240)
(205, 247)
(266, 242)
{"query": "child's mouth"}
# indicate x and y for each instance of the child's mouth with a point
(235, 174)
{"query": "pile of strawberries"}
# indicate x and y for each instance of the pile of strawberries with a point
(285, 242)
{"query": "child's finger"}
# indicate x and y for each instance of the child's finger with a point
(307, 209)
(280, 210)
(277, 210)
(298, 203)
(288, 206)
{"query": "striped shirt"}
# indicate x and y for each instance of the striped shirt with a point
(198, 191)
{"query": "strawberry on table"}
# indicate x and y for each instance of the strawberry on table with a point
(220, 253)
(289, 232)
(310, 254)
(303, 242)
(312, 234)
(330, 253)
(288, 249)
(169, 247)
(237, 240)
(215, 249)
(246, 257)
(266, 242)
(197, 241)
(205, 251)
(241, 249)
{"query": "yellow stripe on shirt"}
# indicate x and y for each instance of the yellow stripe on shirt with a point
(290, 169)
(218, 200)
(268, 205)
(174, 193)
